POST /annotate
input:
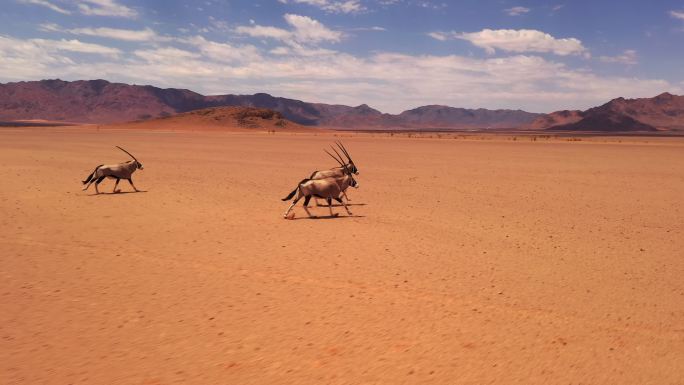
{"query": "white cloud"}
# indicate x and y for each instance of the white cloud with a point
(517, 11)
(166, 55)
(430, 5)
(374, 28)
(332, 6)
(628, 57)
(106, 8)
(281, 51)
(441, 36)
(520, 41)
(223, 52)
(75, 46)
(677, 14)
(50, 27)
(305, 30)
(309, 30)
(23, 59)
(141, 35)
(46, 4)
(264, 31)
(90, 7)
(220, 26)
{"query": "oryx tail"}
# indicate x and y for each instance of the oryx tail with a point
(287, 198)
(92, 174)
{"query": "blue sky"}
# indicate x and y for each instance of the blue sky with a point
(391, 54)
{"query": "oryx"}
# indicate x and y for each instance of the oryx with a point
(325, 188)
(115, 171)
(345, 168)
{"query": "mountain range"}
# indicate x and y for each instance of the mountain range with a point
(100, 101)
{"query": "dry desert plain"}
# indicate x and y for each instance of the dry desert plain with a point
(469, 260)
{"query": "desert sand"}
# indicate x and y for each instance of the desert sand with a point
(469, 260)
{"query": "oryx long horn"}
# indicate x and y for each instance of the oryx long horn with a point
(344, 165)
(344, 150)
(338, 154)
(127, 153)
(333, 156)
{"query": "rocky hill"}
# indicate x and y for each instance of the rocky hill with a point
(555, 119)
(664, 112)
(220, 118)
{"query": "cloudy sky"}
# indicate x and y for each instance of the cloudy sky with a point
(538, 56)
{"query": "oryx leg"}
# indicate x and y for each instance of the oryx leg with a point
(116, 184)
(345, 196)
(89, 183)
(306, 208)
(130, 180)
(344, 204)
(294, 202)
(97, 182)
(329, 200)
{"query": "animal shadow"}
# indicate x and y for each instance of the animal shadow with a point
(324, 217)
(339, 205)
(117, 193)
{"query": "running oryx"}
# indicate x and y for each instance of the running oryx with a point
(325, 188)
(345, 168)
(115, 171)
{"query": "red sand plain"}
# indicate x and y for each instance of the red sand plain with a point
(469, 260)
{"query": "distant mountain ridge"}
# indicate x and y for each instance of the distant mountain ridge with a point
(100, 101)
(664, 112)
(441, 117)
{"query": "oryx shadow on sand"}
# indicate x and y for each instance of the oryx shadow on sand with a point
(334, 216)
(339, 216)
(339, 205)
(116, 193)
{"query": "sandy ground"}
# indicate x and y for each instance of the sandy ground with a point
(467, 261)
